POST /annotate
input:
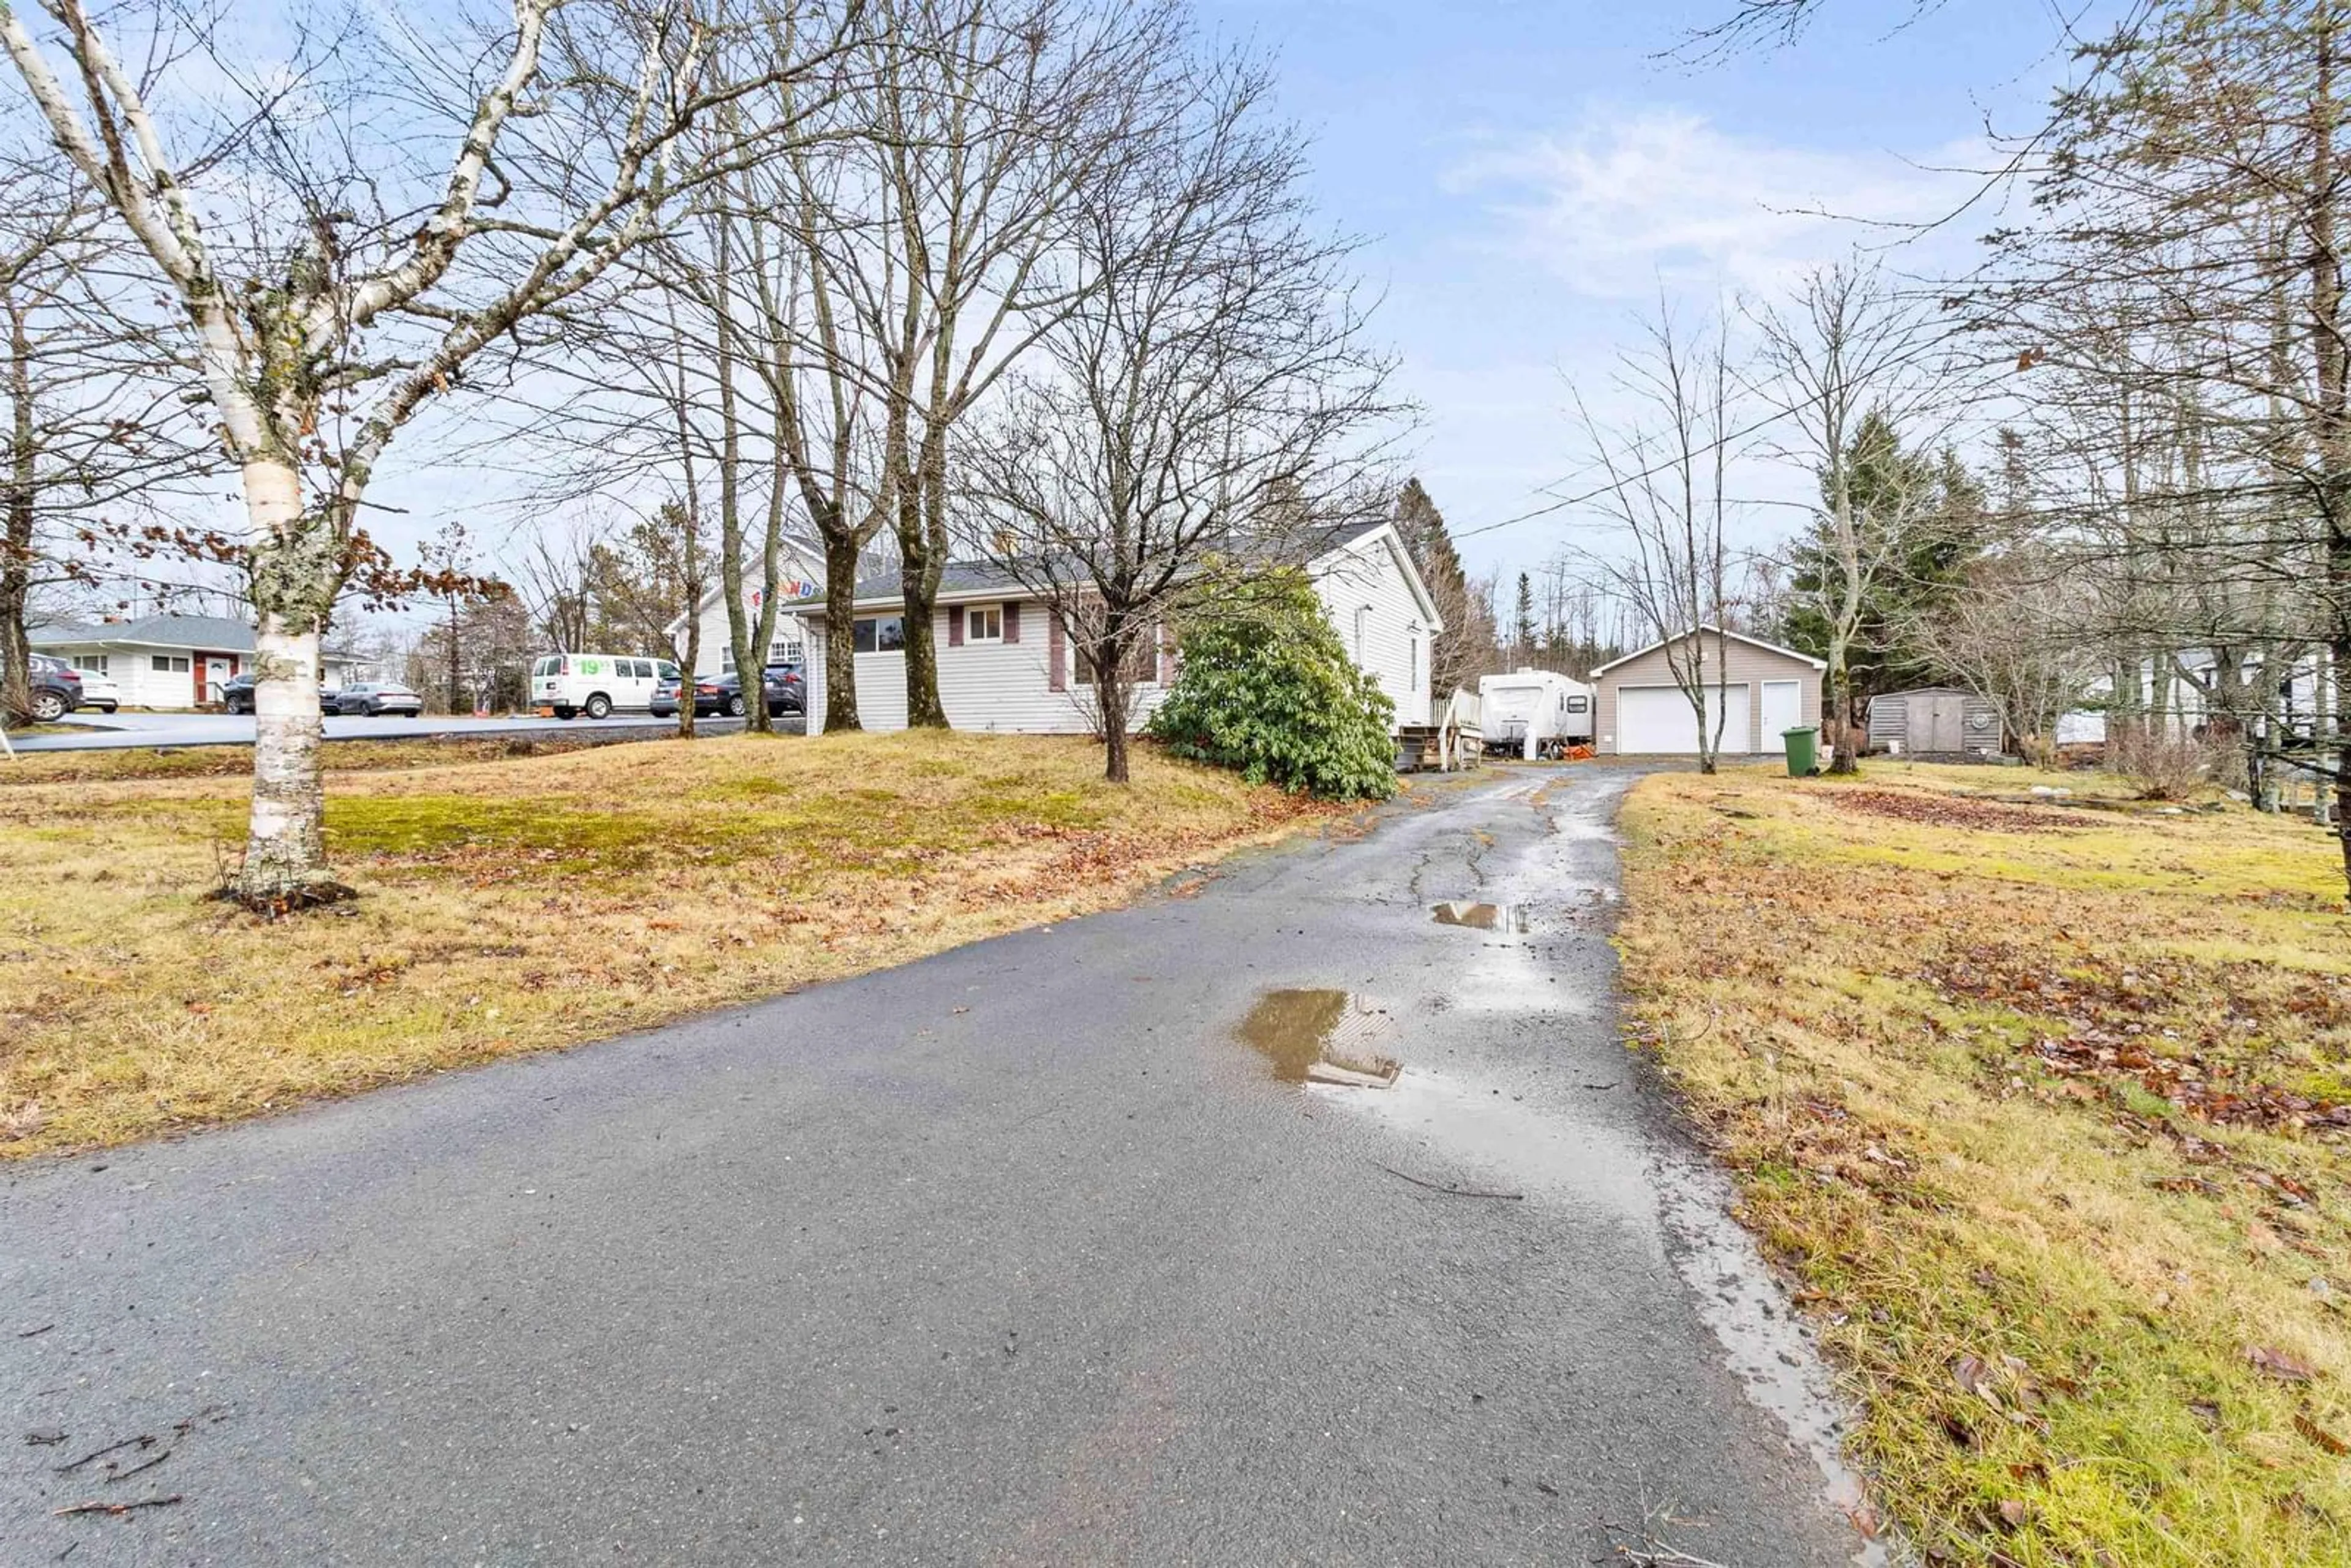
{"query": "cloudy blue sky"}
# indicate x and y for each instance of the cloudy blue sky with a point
(1529, 175)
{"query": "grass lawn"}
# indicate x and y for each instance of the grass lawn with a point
(518, 905)
(2048, 1110)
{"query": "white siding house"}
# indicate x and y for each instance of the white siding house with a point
(802, 572)
(169, 661)
(1006, 663)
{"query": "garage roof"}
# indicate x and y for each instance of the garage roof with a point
(1710, 626)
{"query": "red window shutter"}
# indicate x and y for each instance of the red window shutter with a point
(1012, 622)
(954, 626)
(1056, 678)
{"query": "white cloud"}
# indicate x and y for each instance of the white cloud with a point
(1628, 198)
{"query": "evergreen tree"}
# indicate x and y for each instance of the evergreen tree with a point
(1929, 565)
(1522, 621)
(1466, 648)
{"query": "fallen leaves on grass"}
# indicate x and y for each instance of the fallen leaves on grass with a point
(2320, 1435)
(2049, 1129)
(1952, 812)
(2277, 1363)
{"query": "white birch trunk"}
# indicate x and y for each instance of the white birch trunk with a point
(285, 847)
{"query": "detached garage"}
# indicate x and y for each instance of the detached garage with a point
(1755, 689)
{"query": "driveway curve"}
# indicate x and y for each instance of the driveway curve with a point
(1020, 1254)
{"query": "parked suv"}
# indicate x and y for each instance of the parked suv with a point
(56, 688)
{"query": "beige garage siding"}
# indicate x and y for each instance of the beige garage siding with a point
(1747, 662)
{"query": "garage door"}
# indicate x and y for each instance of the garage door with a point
(1652, 719)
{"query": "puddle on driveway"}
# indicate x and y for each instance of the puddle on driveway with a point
(1320, 1036)
(1509, 917)
(1591, 1164)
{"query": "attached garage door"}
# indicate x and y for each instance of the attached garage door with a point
(1658, 719)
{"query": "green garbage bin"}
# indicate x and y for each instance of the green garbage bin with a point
(1801, 742)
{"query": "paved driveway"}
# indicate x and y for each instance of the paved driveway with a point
(1016, 1255)
(98, 732)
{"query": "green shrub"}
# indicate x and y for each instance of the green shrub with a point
(1266, 688)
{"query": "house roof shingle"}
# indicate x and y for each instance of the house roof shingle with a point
(212, 633)
(959, 577)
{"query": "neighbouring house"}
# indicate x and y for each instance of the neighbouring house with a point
(801, 578)
(170, 661)
(1006, 663)
(2184, 712)
(1936, 721)
(1755, 688)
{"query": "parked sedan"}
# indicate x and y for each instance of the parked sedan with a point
(374, 699)
(786, 693)
(237, 695)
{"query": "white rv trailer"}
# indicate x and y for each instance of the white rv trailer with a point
(1533, 713)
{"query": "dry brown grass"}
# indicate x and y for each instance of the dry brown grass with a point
(2050, 1126)
(518, 905)
(236, 761)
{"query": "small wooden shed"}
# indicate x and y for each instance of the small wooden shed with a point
(1935, 721)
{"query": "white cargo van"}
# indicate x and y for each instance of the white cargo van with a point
(596, 684)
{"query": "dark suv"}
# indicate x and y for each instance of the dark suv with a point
(56, 688)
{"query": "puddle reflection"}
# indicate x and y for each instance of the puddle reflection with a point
(1320, 1037)
(1509, 917)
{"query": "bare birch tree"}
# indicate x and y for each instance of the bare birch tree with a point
(330, 300)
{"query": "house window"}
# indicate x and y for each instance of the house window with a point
(170, 665)
(1413, 684)
(880, 634)
(984, 623)
(785, 651)
(94, 663)
(1142, 660)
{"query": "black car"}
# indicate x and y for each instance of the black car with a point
(786, 693)
(56, 688)
(374, 698)
(237, 695)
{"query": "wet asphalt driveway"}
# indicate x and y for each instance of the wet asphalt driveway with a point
(1017, 1255)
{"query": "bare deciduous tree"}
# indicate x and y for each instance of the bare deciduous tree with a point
(1662, 473)
(1206, 391)
(1853, 350)
(330, 299)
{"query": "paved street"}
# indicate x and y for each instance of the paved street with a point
(1020, 1254)
(98, 732)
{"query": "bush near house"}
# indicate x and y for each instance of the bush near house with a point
(2049, 1112)
(1266, 688)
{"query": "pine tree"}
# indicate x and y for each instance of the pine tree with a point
(1466, 648)
(1522, 621)
(1930, 558)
